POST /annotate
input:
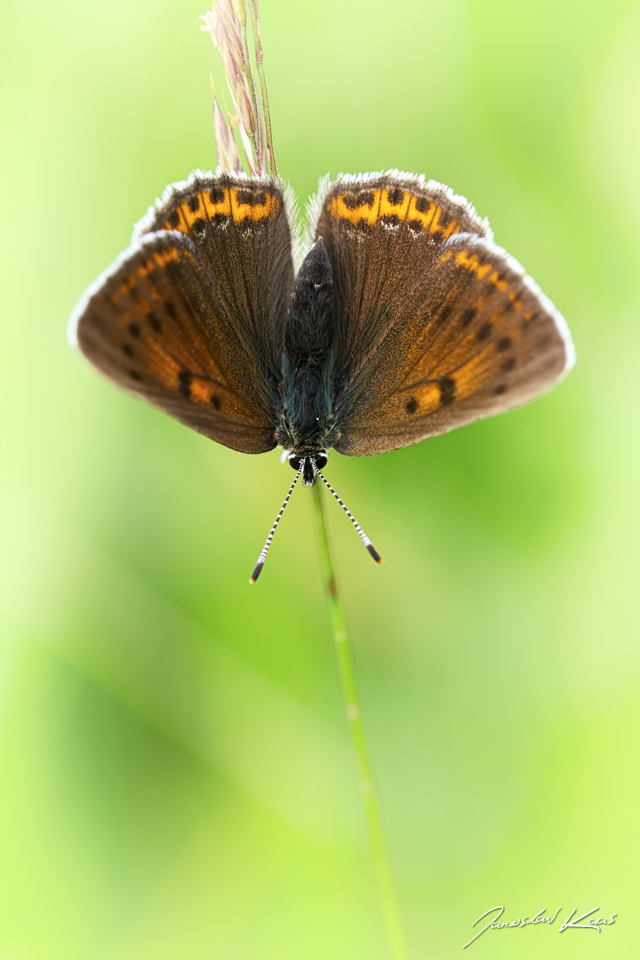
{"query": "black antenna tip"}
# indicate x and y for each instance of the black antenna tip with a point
(256, 573)
(374, 553)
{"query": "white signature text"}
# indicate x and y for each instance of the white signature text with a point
(569, 924)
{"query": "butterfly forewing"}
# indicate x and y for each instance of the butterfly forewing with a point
(172, 323)
(381, 233)
(241, 227)
(439, 326)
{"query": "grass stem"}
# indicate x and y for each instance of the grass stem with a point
(266, 113)
(347, 675)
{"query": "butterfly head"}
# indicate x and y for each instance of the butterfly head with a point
(309, 465)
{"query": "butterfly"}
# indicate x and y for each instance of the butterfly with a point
(403, 321)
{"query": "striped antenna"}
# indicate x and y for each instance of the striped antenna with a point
(265, 550)
(365, 539)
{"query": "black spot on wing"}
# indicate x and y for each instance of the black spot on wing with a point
(447, 390)
(354, 200)
(256, 199)
(467, 316)
(445, 313)
(412, 406)
(395, 195)
(184, 383)
(199, 228)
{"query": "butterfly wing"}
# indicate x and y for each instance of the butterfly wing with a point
(191, 318)
(437, 326)
(241, 226)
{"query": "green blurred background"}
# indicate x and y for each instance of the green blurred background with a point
(177, 777)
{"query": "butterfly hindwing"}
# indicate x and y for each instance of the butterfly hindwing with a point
(438, 326)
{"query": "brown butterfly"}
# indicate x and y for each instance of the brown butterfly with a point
(404, 320)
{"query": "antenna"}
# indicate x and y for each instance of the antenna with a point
(365, 539)
(265, 550)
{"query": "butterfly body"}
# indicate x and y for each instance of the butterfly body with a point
(307, 385)
(404, 321)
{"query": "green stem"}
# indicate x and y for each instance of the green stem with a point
(347, 675)
(257, 43)
(255, 135)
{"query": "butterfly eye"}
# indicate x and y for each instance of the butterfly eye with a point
(295, 462)
(321, 460)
